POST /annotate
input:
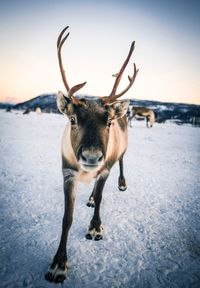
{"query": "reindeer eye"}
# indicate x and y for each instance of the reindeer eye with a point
(73, 120)
(109, 123)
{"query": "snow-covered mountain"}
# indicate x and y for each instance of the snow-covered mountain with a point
(6, 106)
(178, 112)
(44, 101)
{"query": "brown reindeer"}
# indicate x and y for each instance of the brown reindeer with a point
(94, 138)
(142, 112)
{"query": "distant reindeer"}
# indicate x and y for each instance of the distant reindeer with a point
(94, 139)
(142, 112)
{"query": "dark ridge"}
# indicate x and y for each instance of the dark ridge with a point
(178, 112)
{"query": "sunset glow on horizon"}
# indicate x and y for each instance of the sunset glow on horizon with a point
(167, 37)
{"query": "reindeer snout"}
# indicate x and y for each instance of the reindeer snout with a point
(90, 157)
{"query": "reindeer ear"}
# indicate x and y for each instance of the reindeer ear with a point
(64, 104)
(117, 109)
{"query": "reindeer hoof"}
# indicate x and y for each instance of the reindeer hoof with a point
(59, 278)
(88, 236)
(56, 274)
(98, 237)
(91, 202)
(122, 188)
(49, 276)
(96, 234)
(122, 184)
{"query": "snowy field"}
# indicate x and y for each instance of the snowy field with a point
(152, 230)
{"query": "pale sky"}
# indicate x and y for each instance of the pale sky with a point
(167, 36)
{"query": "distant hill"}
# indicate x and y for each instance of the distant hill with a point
(6, 106)
(47, 102)
(177, 112)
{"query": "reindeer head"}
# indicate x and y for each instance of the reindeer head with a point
(91, 121)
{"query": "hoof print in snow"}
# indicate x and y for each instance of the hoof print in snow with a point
(56, 275)
(91, 203)
(96, 234)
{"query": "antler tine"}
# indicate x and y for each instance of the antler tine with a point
(131, 81)
(60, 35)
(75, 89)
(60, 43)
(118, 76)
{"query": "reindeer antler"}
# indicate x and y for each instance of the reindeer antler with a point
(108, 99)
(113, 96)
(75, 88)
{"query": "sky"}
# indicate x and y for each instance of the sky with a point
(166, 35)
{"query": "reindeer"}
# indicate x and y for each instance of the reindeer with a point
(94, 138)
(142, 112)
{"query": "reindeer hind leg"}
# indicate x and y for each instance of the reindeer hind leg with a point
(121, 180)
(91, 202)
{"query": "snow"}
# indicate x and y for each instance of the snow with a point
(152, 230)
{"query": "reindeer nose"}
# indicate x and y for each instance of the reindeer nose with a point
(91, 156)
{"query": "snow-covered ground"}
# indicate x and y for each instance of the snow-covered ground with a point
(152, 230)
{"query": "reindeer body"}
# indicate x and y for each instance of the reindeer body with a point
(94, 138)
(147, 113)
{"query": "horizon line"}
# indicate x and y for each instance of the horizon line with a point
(88, 95)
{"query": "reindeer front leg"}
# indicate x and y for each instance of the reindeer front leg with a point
(58, 269)
(96, 229)
(129, 120)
